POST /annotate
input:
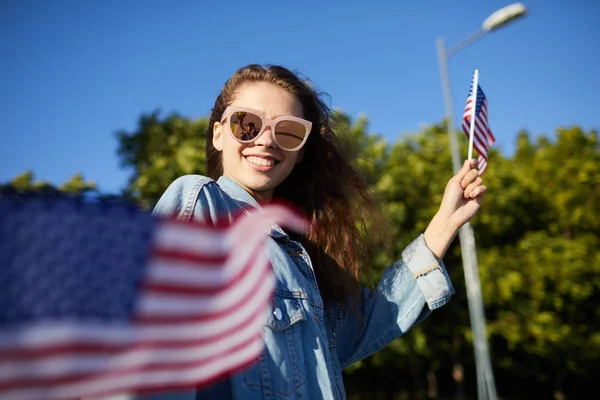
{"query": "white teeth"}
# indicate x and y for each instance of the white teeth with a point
(261, 161)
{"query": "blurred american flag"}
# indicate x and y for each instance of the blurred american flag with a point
(102, 299)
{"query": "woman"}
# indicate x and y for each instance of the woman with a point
(321, 322)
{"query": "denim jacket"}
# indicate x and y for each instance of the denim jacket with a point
(309, 341)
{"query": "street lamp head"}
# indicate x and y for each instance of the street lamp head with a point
(503, 16)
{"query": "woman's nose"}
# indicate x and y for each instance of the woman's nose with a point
(266, 139)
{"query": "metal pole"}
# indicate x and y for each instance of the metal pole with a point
(448, 102)
(486, 387)
(465, 43)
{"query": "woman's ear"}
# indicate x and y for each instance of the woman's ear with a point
(300, 156)
(217, 139)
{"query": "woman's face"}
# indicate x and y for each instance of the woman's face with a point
(259, 166)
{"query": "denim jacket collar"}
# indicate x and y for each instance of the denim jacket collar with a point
(245, 199)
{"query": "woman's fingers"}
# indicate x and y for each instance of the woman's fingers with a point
(469, 178)
(472, 186)
(467, 167)
(477, 192)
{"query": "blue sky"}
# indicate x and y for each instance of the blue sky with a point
(74, 72)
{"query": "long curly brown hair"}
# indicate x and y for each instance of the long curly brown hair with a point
(325, 186)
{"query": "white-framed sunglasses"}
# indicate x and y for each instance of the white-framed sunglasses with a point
(247, 124)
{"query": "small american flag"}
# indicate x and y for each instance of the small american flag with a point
(483, 138)
(104, 299)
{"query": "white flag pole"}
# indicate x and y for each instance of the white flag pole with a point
(473, 109)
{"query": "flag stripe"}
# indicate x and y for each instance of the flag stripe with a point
(214, 260)
(483, 137)
(154, 380)
(58, 368)
(183, 272)
(477, 139)
(61, 334)
(156, 304)
(191, 239)
(87, 346)
(200, 291)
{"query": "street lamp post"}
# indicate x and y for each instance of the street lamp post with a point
(486, 387)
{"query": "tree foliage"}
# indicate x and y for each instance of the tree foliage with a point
(161, 150)
(27, 182)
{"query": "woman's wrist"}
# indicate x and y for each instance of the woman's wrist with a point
(439, 235)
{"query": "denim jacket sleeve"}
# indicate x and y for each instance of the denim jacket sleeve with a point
(407, 292)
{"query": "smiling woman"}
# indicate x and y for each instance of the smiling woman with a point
(270, 139)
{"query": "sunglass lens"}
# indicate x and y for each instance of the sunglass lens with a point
(245, 125)
(290, 134)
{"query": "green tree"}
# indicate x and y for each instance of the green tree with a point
(77, 185)
(26, 182)
(537, 241)
(367, 151)
(541, 283)
(160, 150)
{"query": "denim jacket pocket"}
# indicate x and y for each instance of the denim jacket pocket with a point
(277, 373)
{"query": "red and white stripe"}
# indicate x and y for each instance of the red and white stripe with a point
(483, 137)
(199, 318)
